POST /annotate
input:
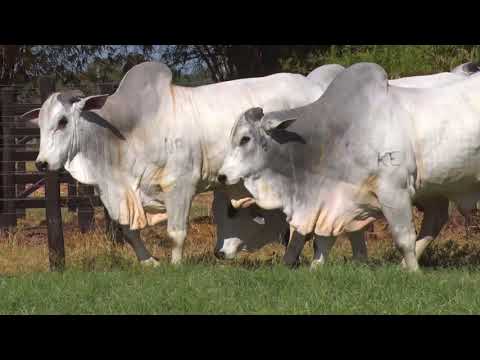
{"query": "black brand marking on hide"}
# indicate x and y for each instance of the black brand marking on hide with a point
(256, 215)
(391, 158)
(172, 145)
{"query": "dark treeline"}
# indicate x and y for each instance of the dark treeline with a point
(77, 64)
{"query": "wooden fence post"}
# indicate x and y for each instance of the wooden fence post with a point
(21, 167)
(1, 164)
(56, 245)
(85, 210)
(72, 192)
(8, 218)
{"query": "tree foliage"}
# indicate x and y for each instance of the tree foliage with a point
(227, 62)
(80, 64)
(69, 63)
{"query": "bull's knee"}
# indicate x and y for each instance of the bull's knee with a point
(178, 238)
(406, 244)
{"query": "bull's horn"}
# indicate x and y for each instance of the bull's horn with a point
(243, 203)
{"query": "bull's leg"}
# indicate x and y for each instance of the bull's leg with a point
(133, 238)
(321, 248)
(178, 202)
(359, 245)
(397, 208)
(434, 218)
(294, 248)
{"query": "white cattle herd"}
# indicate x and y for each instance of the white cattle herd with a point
(288, 157)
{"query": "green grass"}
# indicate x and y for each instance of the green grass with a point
(397, 60)
(212, 289)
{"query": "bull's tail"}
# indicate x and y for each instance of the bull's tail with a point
(468, 68)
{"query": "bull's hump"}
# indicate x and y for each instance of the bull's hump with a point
(362, 73)
(355, 83)
(143, 75)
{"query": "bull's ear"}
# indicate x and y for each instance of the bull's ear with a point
(275, 124)
(254, 114)
(92, 102)
(277, 130)
(31, 116)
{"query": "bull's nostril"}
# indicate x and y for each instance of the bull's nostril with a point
(41, 166)
(219, 255)
(222, 178)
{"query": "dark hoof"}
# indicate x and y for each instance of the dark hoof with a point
(292, 264)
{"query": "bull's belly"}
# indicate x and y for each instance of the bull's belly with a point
(449, 176)
(465, 192)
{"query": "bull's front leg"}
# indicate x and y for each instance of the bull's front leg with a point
(359, 245)
(321, 248)
(134, 240)
(294, 248)
(397, 208)
(178, 202)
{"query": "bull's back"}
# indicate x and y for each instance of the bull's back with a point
(446, 135)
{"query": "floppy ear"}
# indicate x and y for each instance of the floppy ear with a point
(31, 116)
(92, 102)
(276, 129)
(254, 114)
(270, 125)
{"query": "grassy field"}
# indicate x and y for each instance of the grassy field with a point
(206, 289)
(105, 279)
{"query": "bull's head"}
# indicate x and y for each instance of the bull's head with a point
(250, 147)
(58, 119)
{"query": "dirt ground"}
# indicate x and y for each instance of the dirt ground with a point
(25, 248)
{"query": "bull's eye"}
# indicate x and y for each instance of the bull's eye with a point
(244, 140)
(62, 123)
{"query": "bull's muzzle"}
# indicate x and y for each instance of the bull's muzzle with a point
(219, 254)
(222, 179)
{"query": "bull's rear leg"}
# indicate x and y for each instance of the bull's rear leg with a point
(397, 208)
(294, 248)
(358, 242)
(178, 202)
(134, 240)
(321, 249)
